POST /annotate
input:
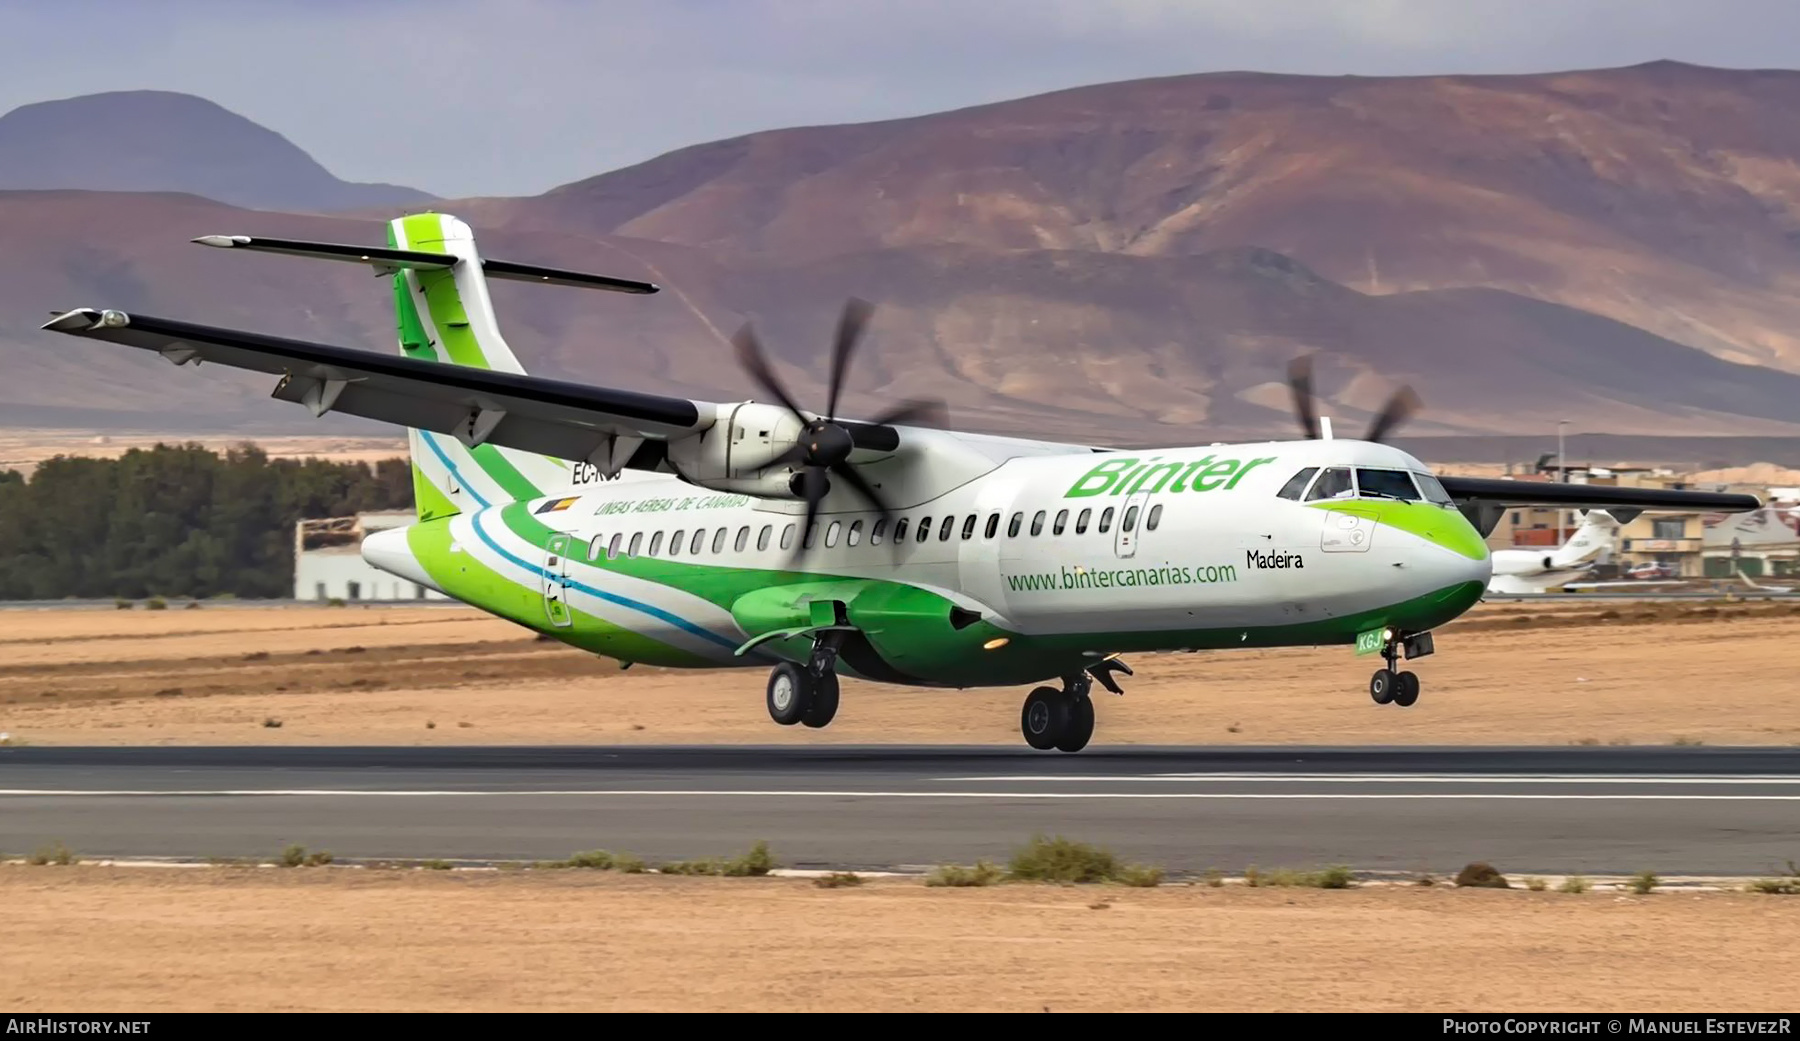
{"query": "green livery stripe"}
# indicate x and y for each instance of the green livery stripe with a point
(428, 499)
(505, 474)
(465, 577)
(413, 341)
(1435, 524)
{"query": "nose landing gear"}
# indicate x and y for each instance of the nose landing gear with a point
(1390, 686)
(807, 694)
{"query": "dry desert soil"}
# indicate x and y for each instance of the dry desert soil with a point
(90, 939)
(1602, 673)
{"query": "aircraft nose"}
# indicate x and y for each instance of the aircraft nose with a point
(391, 551)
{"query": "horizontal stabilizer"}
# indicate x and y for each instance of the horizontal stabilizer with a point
(387, 260)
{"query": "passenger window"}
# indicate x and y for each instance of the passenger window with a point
(944, 529)
(1061, 521)
(1130, 521)
(1012, 526)
(1331, 484)
(637, 539)
(968, 527)
(1387, 484)
(699, 542)
(1106, 520)
(1037, 523)
(900, 531)
(993, 526)
(1154, 519)
(787, 537)
(675, 542)
(812, 534)
(762, 537)
(924, 530)
(831, 534)
(612, 550)
(655, 543)
(1297, 484)
(596, 547)
(854, 535)
(876, 532)
(1081, 521)
(743, 539)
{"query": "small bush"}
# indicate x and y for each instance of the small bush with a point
(690, 867)
(838, 880)
(1141, 876)
(754, 864)
(1536, 885)
(319, 859)
(271, 723)
(1213, 878)
(625, 863)
(123, 604)
(436, 865)
(55, 853)
(336, 601)
(156, 603)
(1687, 742)
(959, 877)
(1481, 876)
(1253, 877)
(1060, 860)
(293, 856)
(1425, 880)
(1573, 884)
(1774, 886)
(593, 860)
(1642, 882)
(1335, 877)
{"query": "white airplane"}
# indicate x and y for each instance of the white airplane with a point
(705, 535)
(1537, 571)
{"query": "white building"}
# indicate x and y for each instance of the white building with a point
(328, 563)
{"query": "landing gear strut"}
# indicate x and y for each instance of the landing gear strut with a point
(1390, 686)
(1064, 719)
(807, 694)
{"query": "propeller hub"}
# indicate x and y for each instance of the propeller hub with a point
(826, 443)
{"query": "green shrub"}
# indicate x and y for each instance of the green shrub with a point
(55, 853)
(1481, 876)
(319, 859)
(1140, 875)
(959, 877)
(435, 865)
(593, 859)
(754, 864)
(1213, 878)
(1642, 882)
(838, 880)
(1061, 860)
(156, 603)
(1573, 884)
(293, 856)
(627, 864)
(123, 604)
(1536, 885)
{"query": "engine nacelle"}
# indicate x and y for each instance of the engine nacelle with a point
(744, 436)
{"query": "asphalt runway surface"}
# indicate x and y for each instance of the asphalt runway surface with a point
(1670, 810)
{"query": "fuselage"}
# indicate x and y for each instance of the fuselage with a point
(1027, 573)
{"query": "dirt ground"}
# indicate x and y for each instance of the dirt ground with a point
(94, 939)
(1603, 673)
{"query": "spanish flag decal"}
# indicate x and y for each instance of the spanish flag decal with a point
(558, 504)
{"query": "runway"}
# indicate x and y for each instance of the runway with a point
(1705, 811)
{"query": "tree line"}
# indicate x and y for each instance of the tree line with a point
(175, 520)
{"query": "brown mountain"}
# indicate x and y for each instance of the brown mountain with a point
(1127, 262)
(162, 141)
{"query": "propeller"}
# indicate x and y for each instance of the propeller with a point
(1400, 406)
(824, 447)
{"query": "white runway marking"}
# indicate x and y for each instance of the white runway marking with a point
(850, 794)
(1390, 778)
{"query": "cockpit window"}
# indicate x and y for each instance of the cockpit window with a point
(1386, 484)
(1434, 491)
(1297, 484)
(1333, 483)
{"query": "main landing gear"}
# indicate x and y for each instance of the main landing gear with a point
(807, 694)
(1064, 719)
(1390, 686)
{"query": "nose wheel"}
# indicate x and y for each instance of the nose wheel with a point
(806, 694)
(1392, 686)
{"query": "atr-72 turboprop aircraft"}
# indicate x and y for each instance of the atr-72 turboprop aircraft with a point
(686, 533)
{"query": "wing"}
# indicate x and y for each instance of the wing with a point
(530, 413)
(1483, 499)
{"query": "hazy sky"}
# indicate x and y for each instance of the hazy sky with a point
(466, 97)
